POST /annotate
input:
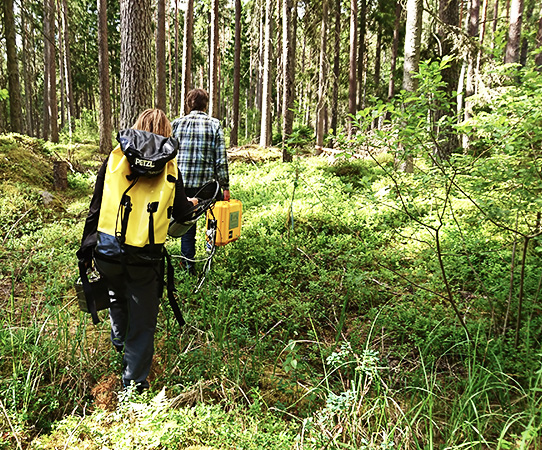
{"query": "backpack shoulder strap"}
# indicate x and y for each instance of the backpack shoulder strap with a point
(171, 291)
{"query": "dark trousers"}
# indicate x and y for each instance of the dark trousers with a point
(133, 315)
(188, 240)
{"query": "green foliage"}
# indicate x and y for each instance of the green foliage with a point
(85, 129)
(508, 120)
(333, 308)
(4, 95)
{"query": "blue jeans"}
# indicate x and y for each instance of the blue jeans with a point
(188, 245)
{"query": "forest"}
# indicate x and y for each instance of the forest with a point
(385, 290)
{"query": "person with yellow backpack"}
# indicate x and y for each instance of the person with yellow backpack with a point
(138, 190)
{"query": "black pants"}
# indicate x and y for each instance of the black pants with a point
(133, 315)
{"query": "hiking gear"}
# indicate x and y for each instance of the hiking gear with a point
(147, 153)
(92, 290)
(135, 206)
(206, 196)
(136, 211)
(228, 216)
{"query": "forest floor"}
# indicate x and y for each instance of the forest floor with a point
(326, 325)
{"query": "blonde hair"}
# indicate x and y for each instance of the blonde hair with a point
(153, 121)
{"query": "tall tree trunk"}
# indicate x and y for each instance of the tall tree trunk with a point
(394, 49)
(136, 60)
(51, 115)
(61, 71)
(362, 50)
(261, 47)
(46, 72)
(449, 23)
(482, 36)
(175, 71)
(103, 73)
(160, 100)
(352, 74)
(336, 67)
(411, 64)
(213, 62)
(470, 83)
(412, 44)
(68, 82)
(538, 57)
(265, 131)
(322, 79)
(15, 102)
(27, 76)
(378, 56)
(186, 78)
(495, 23)
(236, 76)
(288, 62)
(514, 32)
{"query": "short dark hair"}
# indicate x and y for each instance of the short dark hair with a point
(197, 99)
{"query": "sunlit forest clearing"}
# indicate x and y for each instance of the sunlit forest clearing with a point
(385, 290)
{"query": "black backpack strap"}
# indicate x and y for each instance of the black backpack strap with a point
(91, 301)
(171, 291)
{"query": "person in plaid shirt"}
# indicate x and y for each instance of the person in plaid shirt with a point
(202, 157)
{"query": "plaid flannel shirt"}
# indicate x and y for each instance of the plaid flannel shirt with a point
(202, 151)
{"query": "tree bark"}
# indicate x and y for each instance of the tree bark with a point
(470, 84)
(538, 57)
(352, 73)
(411, 65)
(265, 131)
(394, 50)
(378, 56)
(514, 32)
(61, 71)
(27, 76)
(236, 76)
(68, 81)
(288, 56)
(362, 50)
(103, 74)
(50, 113)
(412, 44)
(449, 23)
(322, 78)
(160, 97)
(174, 84)
(186, 78)
(213, 62)
(336, 67)
(136, 60)
(15, 101)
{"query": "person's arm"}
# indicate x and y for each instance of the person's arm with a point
(181, 204)
(90, 232)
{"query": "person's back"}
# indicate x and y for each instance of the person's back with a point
(202, 157)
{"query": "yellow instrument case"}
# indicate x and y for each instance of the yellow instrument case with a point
(228, 216)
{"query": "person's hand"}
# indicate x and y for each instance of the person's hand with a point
(194, 200)
(226, 195)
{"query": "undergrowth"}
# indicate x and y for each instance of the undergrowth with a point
(328, 324)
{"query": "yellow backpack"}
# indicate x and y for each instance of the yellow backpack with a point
(136, 208)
